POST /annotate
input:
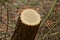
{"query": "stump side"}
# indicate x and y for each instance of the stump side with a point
(24, 32)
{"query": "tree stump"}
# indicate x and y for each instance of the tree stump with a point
(27, 25)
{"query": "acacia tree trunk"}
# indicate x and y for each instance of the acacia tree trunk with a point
(27, 25)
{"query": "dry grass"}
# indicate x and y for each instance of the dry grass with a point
(50, 14)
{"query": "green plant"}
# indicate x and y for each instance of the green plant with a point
(17, 6)
(34, 3)
(23, 1)
(5, 0)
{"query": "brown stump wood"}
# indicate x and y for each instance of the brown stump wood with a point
(27, 25)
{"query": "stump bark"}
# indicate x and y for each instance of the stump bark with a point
(27, 25)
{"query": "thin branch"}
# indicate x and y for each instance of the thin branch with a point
(53, 34)
(7, 23)
(50, 30)
(49, 13)
(1, 13)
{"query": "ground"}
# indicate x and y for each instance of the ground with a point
(9, 13)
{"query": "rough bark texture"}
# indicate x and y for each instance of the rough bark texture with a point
(24, 32)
